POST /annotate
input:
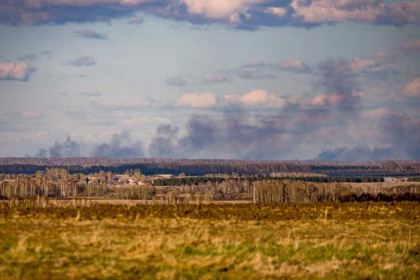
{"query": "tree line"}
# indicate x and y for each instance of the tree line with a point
(200, 180)
(203, 167)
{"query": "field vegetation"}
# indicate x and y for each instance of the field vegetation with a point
(374, 240)
(58, 225)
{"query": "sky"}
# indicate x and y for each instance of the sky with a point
(238, 79)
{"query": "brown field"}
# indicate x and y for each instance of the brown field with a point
(373, 240)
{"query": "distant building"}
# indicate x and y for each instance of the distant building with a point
(395, 179)
(164, 176)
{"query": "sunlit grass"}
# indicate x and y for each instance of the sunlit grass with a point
(355, 240)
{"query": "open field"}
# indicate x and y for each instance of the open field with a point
(236, 241)
(384, 185)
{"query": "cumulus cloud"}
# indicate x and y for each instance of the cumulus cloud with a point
(258, 98)
(197, 100)
(365, 11)
(295, 65)
(254, 99)
(404, 12)
(335, 99)
(120, 146)
(90, 34)
(375, 64)
(220, 10)
(330, 11)
(68, 148)
(277, 11)
(249, 14)
(412, 89)
(411, 46)
(81, 61)
(19, 71)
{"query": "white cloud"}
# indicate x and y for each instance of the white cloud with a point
(14, 71)
(220, 9)
(232, 12)
(277, 11)
(295, 65)
(197, 100)
(336, 99)
(320, 11)
(258, 98)
(405, 12)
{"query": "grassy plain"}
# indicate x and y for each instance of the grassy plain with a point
(233, 241)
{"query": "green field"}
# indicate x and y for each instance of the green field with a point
(317, 240)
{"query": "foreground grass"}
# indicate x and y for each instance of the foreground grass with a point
(348, 240)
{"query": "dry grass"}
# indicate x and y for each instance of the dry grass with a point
(384, 184)
(379, 240)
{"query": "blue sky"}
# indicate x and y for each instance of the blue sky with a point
(251, 79)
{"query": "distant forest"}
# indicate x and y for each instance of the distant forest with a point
(201, 180)
(198, 167)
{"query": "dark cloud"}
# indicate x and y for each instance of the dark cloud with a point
(400, 140)
(121, 146)
(238, 135)
(269, 70)
(402, 133)
(361, 153)
(28, 57)
(81, 61)
(247, 15)
(233, 135)
(247, 75)
(256, 71)
(42, 153)
(34, 56)
(68, 148)
(164, 143)
(90, 34)
(336, 80)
